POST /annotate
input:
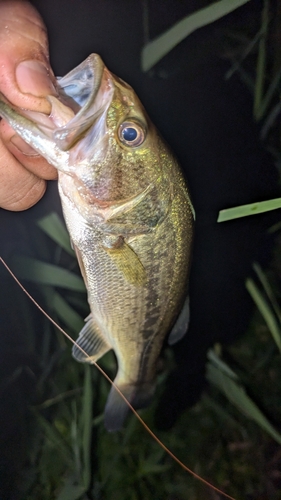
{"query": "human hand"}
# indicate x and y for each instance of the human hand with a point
(26, 79)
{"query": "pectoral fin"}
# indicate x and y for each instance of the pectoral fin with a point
(181, 325)
(127, 261)
(91, 341)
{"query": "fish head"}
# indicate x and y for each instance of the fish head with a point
(115, 152)
(108, 153)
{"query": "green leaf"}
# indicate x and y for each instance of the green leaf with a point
(268, 289)
(55, 229)
(270, 121)
(220, 364)
(55, 437)
(251, 209)
(223, 416)
(273, 87)
(266, 311)
(152, 464)
(46, 274)
(158, 48)
(87, 415)
(65, 312)
(261, 63)
(59, 398)
(237, 65)
(71, 492)
(237, 395)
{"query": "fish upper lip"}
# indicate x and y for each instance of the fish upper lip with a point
(66, 136)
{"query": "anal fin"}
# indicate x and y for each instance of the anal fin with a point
(92, 341)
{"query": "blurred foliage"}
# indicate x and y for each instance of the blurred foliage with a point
(156, 49)
(232, 436)
(255, 53)
(73, 457)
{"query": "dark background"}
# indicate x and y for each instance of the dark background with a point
(208, 123)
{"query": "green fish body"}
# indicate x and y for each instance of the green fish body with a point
(130, 218)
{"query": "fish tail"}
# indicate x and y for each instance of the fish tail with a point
(116, 409)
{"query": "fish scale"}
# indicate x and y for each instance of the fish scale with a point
(130, 219)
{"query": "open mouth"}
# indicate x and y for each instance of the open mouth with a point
(81, 122)
(90, 88)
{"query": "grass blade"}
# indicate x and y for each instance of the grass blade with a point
(65, 312)
(270, 120)
(250, 209)
(56, 230)
(221, 365)
(237, 395)
(249, 48)
(55, 437)
(273, 87)
(71, 492)
(266, 311)
(87, 415)
(47, 274)
(261, 64)
(158, 48)
(268, 289)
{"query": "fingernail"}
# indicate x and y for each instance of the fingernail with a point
(34, 78)
(22, 146)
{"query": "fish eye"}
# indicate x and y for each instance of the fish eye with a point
(131, 133)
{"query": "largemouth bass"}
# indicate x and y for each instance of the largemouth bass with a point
(130, 218)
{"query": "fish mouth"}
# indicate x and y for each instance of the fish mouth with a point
(89, 88)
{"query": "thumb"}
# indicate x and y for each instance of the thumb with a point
(26, 77)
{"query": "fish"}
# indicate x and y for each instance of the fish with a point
(130, 218)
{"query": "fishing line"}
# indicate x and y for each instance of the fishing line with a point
(163, 446)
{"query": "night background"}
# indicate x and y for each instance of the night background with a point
(52, 441)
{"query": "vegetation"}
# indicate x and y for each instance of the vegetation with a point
(235, 421)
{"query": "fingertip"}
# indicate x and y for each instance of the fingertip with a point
(25, 87)
(26, 77)
(33, 77)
